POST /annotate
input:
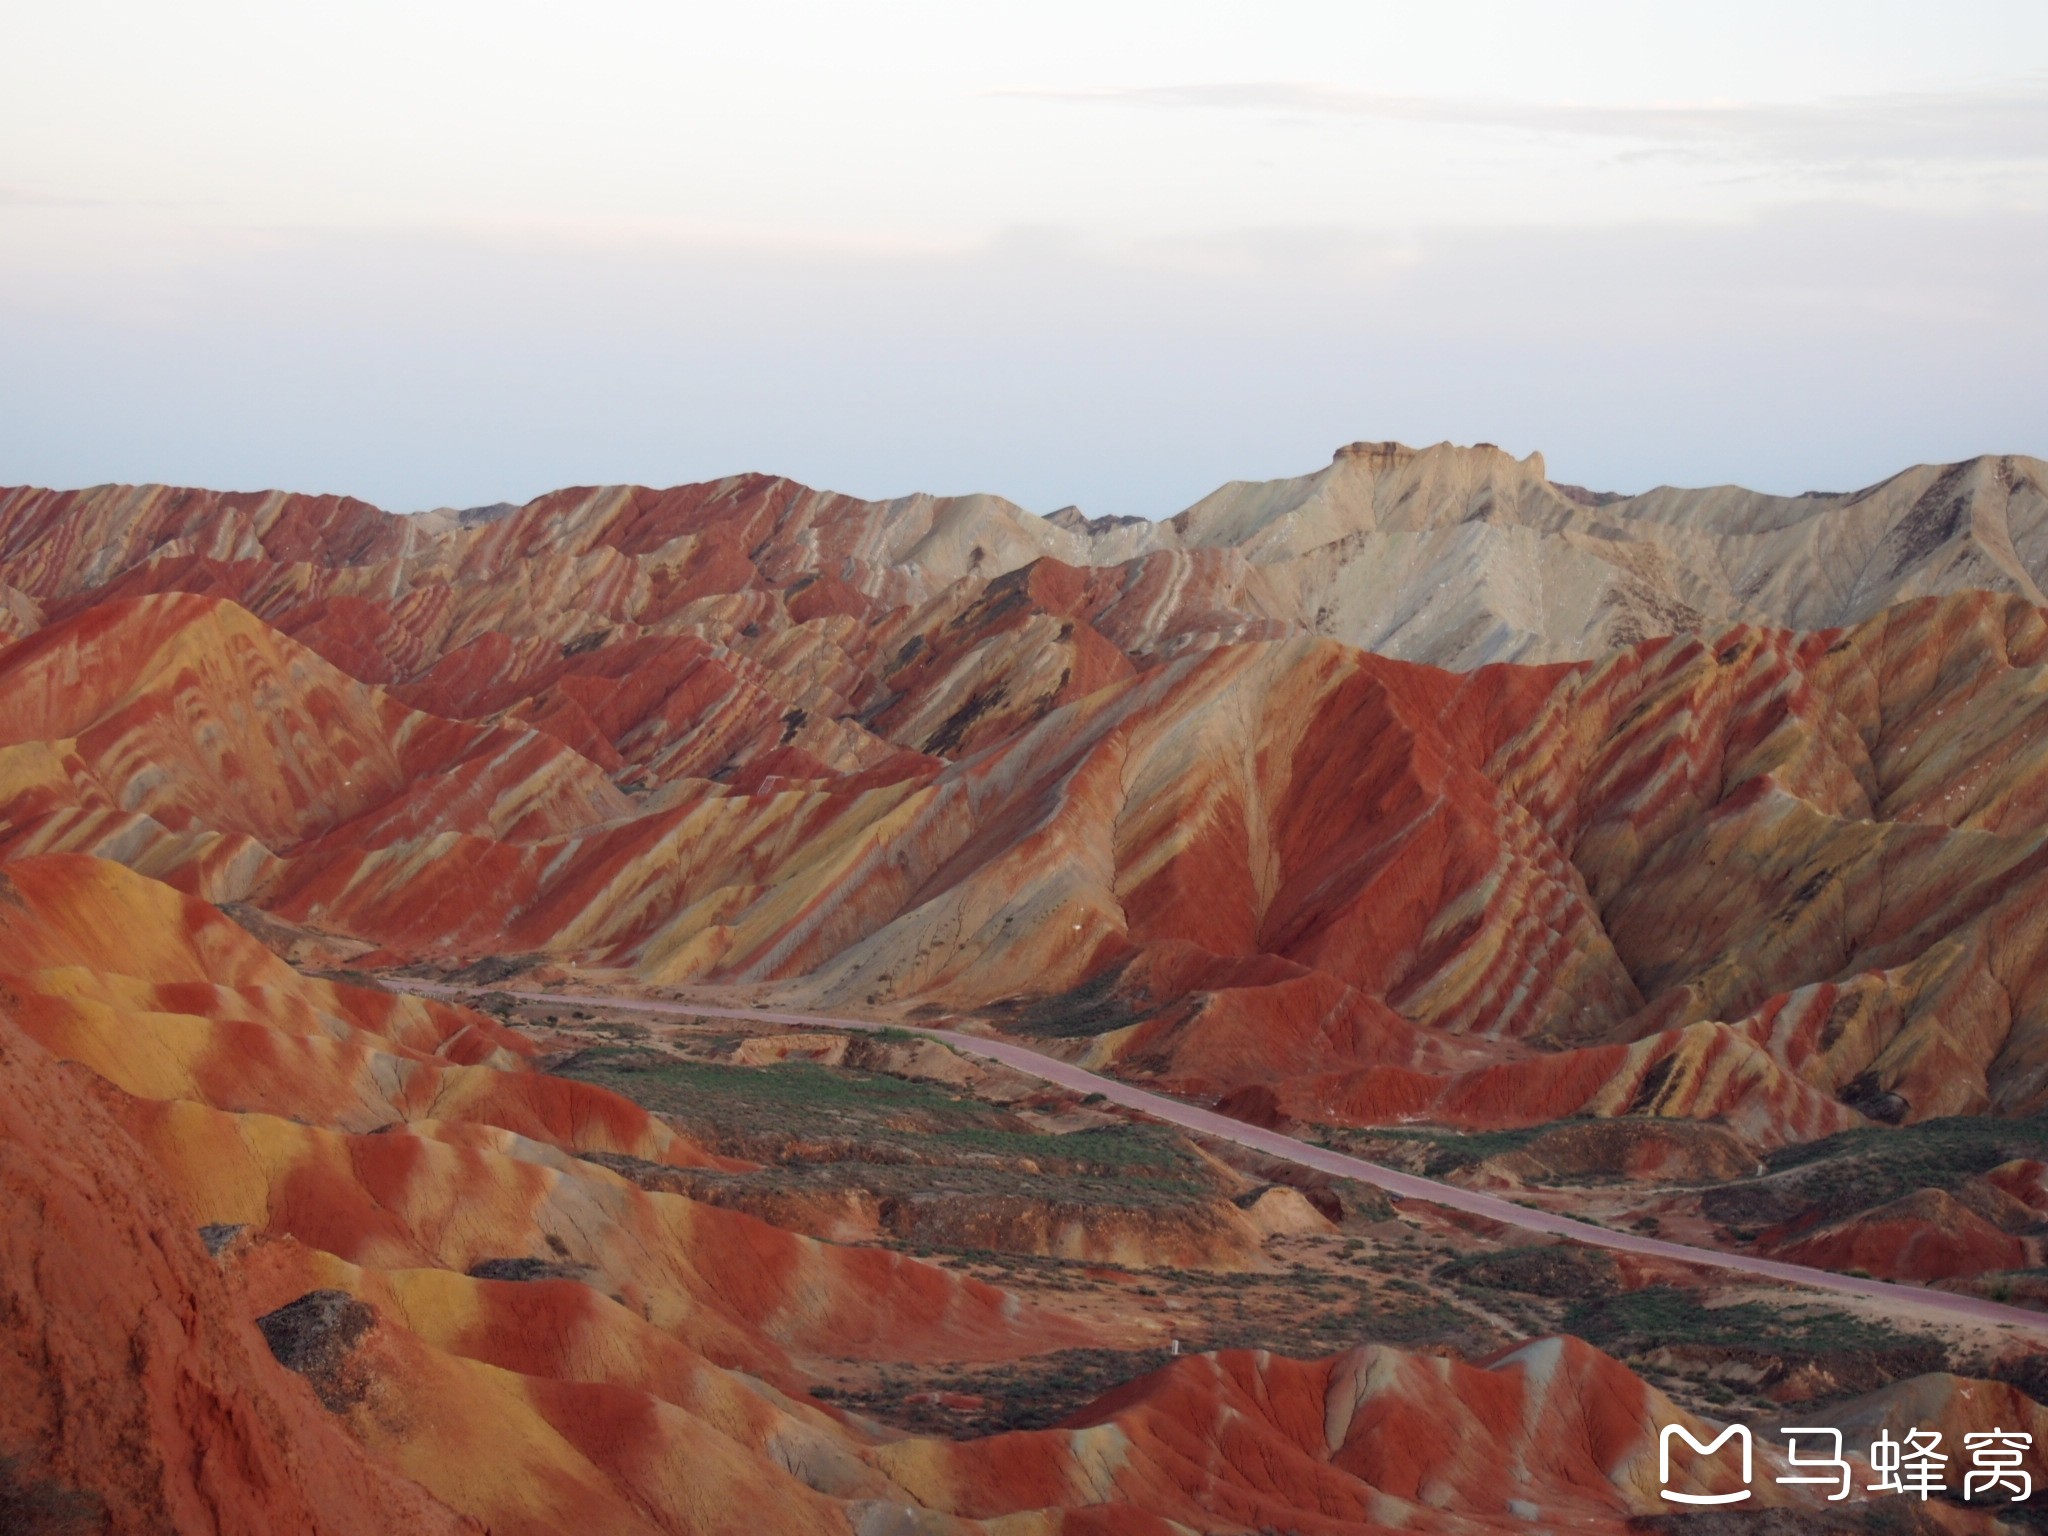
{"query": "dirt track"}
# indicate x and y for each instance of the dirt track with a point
(1274, 1143)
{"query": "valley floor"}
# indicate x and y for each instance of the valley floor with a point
(913, 1138)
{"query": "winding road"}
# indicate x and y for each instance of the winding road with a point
(1273, 1143)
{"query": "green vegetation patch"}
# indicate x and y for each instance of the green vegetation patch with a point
(1565, 1271)
(1957, 1145)
(1858, 1170)
(1033, 1393)
(1310, 1315)
(1093, 1008)
(1368, 1320)
(1432, 1151)
(1663, 1316)
(802, 1099)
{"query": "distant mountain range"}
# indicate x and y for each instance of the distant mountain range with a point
(1447, 555)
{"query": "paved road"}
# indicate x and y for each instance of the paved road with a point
(1408, 1185)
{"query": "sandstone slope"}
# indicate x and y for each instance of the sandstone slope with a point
(765, 599)
(1779, 879)
(450, 1323)
(1730, 809)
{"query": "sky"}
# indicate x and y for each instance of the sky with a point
(1106, 254)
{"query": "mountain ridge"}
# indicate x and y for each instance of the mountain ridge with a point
(1511, 566)
(1632, 929)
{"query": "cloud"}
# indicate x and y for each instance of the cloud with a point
(2004, 123)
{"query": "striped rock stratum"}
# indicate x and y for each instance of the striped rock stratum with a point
(1660, 847)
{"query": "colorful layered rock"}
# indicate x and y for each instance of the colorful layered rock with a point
(455, 1322)
(1734, 813)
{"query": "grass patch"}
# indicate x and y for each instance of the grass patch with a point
(804, 1100)
(797, 1097)
(1093, 1008)
(1561, 1271)
(1955, 1145)
(1034, 1393)
(1433, 1151)
(1860, 1169)
(1662, 1316)
(897, 1036)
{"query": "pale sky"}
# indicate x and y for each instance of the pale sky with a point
(1113, 254)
